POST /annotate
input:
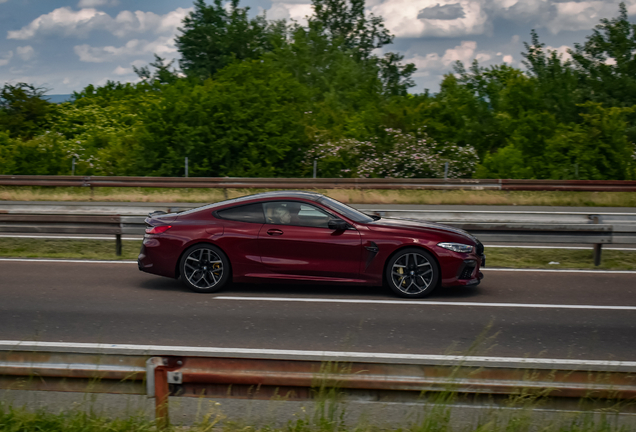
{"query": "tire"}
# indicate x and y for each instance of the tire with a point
(412, 273)
(204, 268)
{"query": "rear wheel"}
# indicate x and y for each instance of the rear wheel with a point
(412, 273)
(204, 268)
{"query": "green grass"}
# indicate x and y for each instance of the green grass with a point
(496, 257)
(435, 417)
(567, 259)
(450, 197)
(63, 248)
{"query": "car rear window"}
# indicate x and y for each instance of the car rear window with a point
(246, 213)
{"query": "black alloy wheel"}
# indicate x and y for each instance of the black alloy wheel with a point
(204, 268)
(412, 273)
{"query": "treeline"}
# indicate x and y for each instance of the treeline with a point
(252, 97)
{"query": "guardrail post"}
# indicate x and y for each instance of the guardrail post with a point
(118, 244)
(158, 388)
(162, 391)
(597, 254)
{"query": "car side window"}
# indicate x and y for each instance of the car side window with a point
(295, 213)
(246, 213)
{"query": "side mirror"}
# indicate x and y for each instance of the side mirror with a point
(338, 225)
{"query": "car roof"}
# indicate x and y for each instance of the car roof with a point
(312, 196)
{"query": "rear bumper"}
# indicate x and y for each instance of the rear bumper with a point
(153, 259)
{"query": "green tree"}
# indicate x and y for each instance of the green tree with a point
(247, 121)
(556, 79)
(596, 149)
(606, 62)
(24, 112)
(161, 74)
(43, 155)
(213, 36)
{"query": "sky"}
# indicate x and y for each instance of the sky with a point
(63, 46)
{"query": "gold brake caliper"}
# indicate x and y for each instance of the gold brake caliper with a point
(400, 270)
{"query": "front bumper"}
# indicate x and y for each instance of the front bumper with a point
(464, 270)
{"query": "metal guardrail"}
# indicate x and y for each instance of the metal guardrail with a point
(489, 226)
(321, 183)
(210, 372)
(72, 224)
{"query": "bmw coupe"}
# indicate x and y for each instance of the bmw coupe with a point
(306, 237)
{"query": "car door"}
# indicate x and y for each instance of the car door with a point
(296, 241)
(242, 225)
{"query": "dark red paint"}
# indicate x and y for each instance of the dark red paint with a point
(264, 251)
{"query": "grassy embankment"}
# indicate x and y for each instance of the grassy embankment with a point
(449, 197)
(435, 417)
(497, 257)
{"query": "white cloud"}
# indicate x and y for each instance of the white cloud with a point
(508, 59)
(3, 1)
(26, 53)
(458, 18)
(562, 52)
(579, 16)
(96, 3)
(410, 18)
(466, 52)
(67, 22)
(162, 46)
(122, 71)
(290, 9)
(442, 12)
(6, 58)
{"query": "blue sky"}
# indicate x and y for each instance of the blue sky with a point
(65, 45)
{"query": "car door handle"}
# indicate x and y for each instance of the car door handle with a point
(274, 232)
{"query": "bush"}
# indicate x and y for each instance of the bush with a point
(398, 155)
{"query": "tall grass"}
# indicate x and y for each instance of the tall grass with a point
(437, 415)
(432, 197)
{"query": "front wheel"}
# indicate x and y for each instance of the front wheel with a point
(204, 268)
(412, 273)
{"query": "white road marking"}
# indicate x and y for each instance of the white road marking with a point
(67, 237)
(8, 345)
(425, 303)
(67, 261)
(557, 270)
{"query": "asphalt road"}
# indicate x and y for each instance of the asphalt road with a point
(536, 314)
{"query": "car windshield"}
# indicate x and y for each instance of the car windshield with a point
(345, 210)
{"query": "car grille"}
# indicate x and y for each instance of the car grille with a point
(467, 271)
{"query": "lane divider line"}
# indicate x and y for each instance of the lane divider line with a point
(6, 345)
(79, 261)
(499, 269)
(67, 237)
(424, 303)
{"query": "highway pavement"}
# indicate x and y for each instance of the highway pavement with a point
(566, 315)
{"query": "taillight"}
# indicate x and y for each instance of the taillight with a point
(158, 229)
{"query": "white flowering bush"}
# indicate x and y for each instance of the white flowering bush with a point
(399, 155)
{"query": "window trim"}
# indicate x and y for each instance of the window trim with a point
(322, 209)
(217, 214)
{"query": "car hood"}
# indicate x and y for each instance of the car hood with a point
(421, 225)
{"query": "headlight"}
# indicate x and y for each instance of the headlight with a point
(456, 247)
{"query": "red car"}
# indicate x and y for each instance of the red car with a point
(306, 237)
